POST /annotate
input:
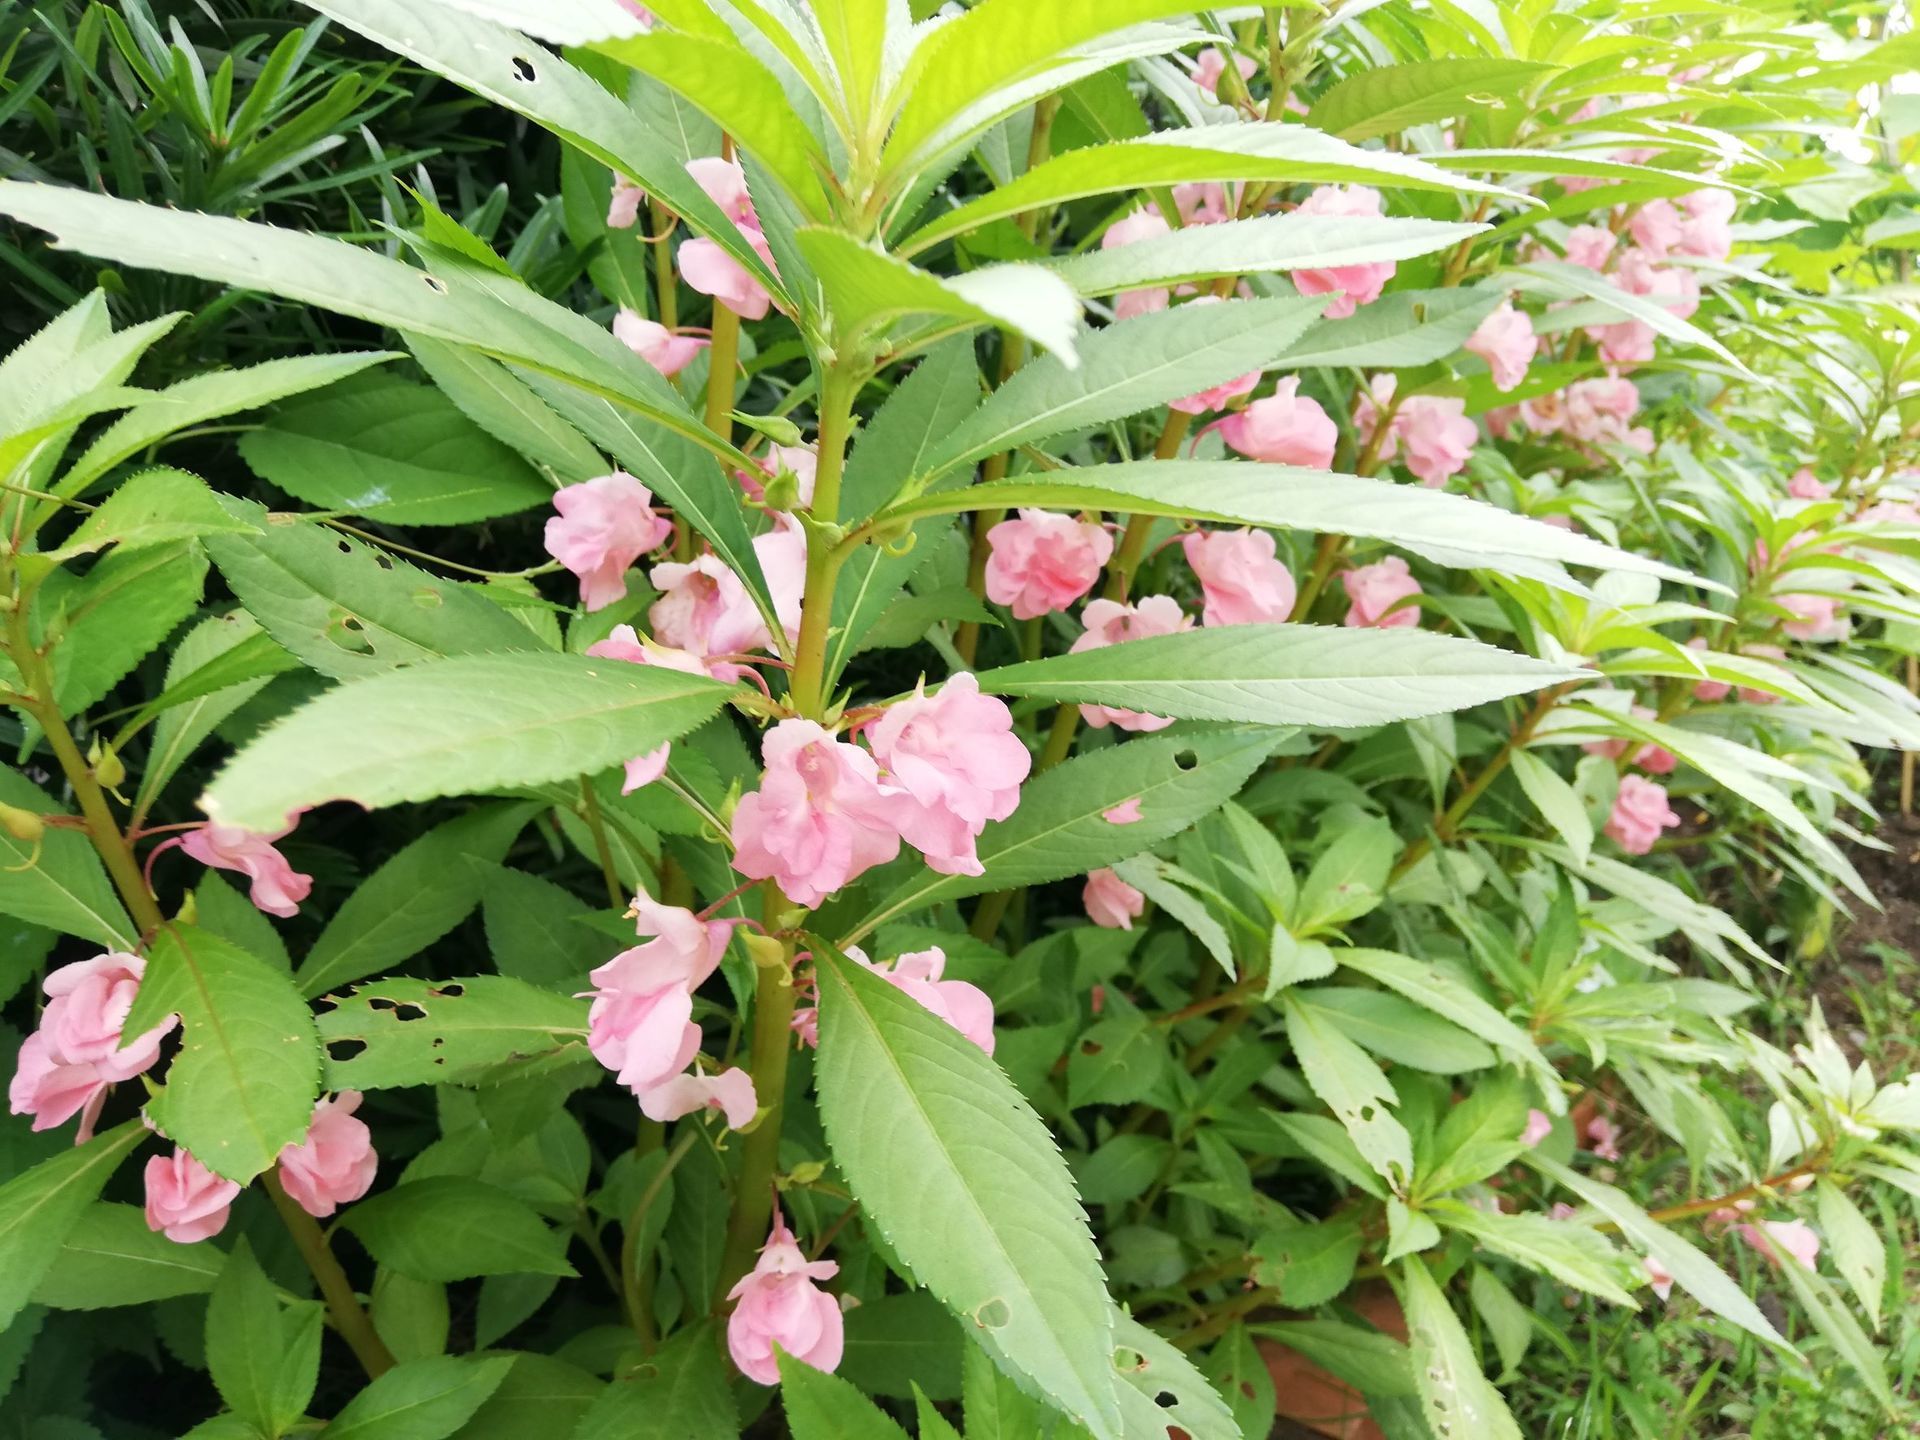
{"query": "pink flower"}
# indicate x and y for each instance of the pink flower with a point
(1216, 397)
(1505, 340)
(1539, 1126)
(1806, 486)
(802, 461)
(1815, 617)
(623, 644)
(1708, 690)
(1147, 224)
(963, 1006)
(1600, 409)
(1284, 429)
(1040, 562)
(1358, 284)
(1437, 437)
(1560, 1210)
(1794, 1238)
(623, 210)
(640, 1025)
(277, 887)
(955, 764)
(1109, 622)
(779, 1304)
(1127, 812)
(604, 525)
(1206, 202)
(186, 1201)
(1761, 652)
(1655, 228)
(654, 343)
(1658, 1276)
(1707, 231)
(1243, 582)
(1212, 64)
(1590, 245)
(1640, 813)
(1375, 590)
(782, 553)
(704, 610)
(334, 1165)
(69, 1061)
(820, 817)
(1110, 901)
(704, 265)
(730, 1092)
(1603, 1138)
(1654, 759)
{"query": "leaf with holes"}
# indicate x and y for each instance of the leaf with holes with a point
(1455, 1395)
(1353, 1087)
(403, 1031)
(967, 1186)
(243, 1085)
(154, 507)
(457, 726)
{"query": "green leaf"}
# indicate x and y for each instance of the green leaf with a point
(536, 929)
(1149, 875)
(825, 1407)
(1163, 1390)
(1353, 1087)
(1836, 1324)
(1308, 1263)
(1557, 801)
(1445, 529)
(58, 881)
(1313, 675)
(1401, 1031)
(111, 1257)
(1576, 1255)
(896, 1342)
(1508, 1321)
(444, 1228)
(1455, 1395)
(349, 610)
(1858, 1252)
(867, 289)
(1428, 985)
(242, 1087)
(413, 899)
(200, 398)
(1349, 878)
(264, 1360)
(391, 450)
(1401, 329)
(995, 1407)
(540, 1396)
(197, 665)
(1238, 1368)
(1371, 1362)
(1122, 1058)
(1560, 281)
(1124, 368)
(1253, 247)
(1692, 1271)
(1059, 829)
(682, 1392)
(154, 507)
(403, 1031)
(965, 1182)
(40, 1207)
(426, 1399)
(458, 726)
(1478, 1136)
(502, 405)
(124, 607)
(856, 36)
(1385, 99)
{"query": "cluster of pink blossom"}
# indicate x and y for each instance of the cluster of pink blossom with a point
(640, 1025)
(779, 1303)
(1654, 759)
(1640, 812)
(918, 974)
(76, 1054)
(1429, 433)
(1381, 595)
(937, 769)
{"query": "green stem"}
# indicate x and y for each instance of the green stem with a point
(807, 684)
(636, 1270)
(723, 359)
(771, 1044)
(590, 812)
(666, 294)
(342, 1304)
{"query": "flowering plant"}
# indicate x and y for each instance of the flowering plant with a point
(1205, 620)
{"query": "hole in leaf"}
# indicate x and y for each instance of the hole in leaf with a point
(523, 69)
(409, 1012)
(380, 1002)
(1166, 1399)
(453, 989)
(341, 1051)
(346, 546)
(1125, 1360)
(383, 560)
(1186, 760)
(992, 1315)
(434, 283)
(1090, 1047)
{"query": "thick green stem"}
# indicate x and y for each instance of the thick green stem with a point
(807, 685)
(772, 1043)
(723, 358)
(666, 292)
(343, 1306)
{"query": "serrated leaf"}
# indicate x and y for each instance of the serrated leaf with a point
(1455, 1396)
(111, 1257)
(58, 881)
(40, 1207)
(1835, 1322)
(243, 1084)
(457, 726)
(265, 1360)
(1576, 1255)
(154, 507)
(403, 1031)
(446, 1228)
(186, 723)
(426, 1399)
(1353, 1087)
(1383, 99)
(1858, 1252)
(1428, 985)
(965, 1183)
(1557, 801)
(1396, 1029)
(1059, 829)
(824, 1407)
(494, 399)
(112, 617)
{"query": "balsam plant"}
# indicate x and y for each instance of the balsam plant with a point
(1209, 621)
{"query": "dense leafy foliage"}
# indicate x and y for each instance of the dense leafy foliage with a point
(1227, 663)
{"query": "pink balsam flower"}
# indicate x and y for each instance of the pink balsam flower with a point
(640, 1025)
(1640, 813)
(1110, 622)
(1805, 485)
(1505, 340)
(75, 1054)
(820, 818)
(602, 527)
(186, 1202)
(704, 610)
(1212, 64)
(1782, 1240)
(730, 1093)
(779, 1303)
(1539, 1126)
(654, 343)
(955, 764)
(1110, 901)
(335, 1164)
(1590, 246)
(962, 1005)
(277, 888)
(1658, 1276)
(705, 265)
(1284, 428)
(1376, 592)
(1146, 224)
(1242, 580)
(623, 209)
(1039, 562)
(1358, 284)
